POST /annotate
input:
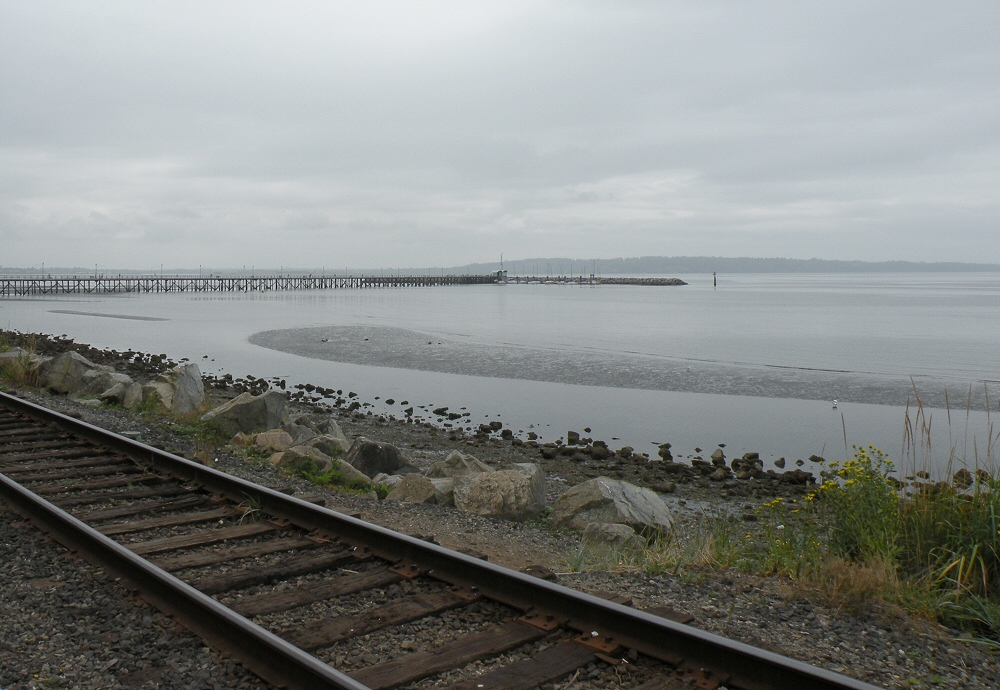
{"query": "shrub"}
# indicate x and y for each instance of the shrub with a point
(863, 501)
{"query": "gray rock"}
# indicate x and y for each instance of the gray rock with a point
(457, 464)
(306, 459)
(718, 457)
(349, 474)
(133, 396)
(517, 493)
(14, 353)
(780, 463)
(305, 427)
(275, 440)
(444, 491)
(18, 355)
(611, 501)
(372, 457)
(414, 488)
(157, 396)
(963, 479)
(115, 394)
(97, 382)
(302, 459)
(188, 389)
(249, 413)
(387, 480)
(328, 427)
(334, 446)
(301, 428)
(64, 373)
(611, 535)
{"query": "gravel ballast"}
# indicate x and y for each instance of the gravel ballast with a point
(66, 624)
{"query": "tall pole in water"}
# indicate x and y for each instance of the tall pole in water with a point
(715, 281)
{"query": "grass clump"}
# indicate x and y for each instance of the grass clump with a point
(333, 479)
(19, 371)
(207, 433)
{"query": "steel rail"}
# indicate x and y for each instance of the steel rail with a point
(747, 667)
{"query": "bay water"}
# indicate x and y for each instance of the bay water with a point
(754, 363)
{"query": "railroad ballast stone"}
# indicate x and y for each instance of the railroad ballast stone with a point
(65, 624)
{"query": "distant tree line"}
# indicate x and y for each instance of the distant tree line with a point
(639, 265)
(658, 265)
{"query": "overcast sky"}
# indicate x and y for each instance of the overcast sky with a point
(427, 133)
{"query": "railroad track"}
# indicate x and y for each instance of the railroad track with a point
(293, 590)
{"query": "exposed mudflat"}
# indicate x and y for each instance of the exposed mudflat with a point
(387, 346)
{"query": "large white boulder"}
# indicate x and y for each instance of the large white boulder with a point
(248, 413)
(188, 394)
(179, 391)
(608, 500)
(517, 493)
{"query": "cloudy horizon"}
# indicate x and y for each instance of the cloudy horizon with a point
(441, 134)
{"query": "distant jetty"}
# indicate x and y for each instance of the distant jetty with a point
(595, 280)
(22, 286)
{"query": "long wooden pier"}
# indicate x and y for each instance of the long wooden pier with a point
(19, 286)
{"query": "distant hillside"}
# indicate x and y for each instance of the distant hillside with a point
(641, 265)
(658, 265)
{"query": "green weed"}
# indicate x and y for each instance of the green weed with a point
(335, 480)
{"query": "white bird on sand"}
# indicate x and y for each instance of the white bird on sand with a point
(835, 404)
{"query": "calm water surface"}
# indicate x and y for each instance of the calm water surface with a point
(754, 363)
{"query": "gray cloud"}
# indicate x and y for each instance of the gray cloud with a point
(398, 134)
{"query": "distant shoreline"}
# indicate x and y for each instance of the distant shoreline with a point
(637, 266)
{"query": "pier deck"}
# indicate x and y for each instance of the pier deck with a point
(23, 286)
(17, 286)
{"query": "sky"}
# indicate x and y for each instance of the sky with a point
(381, 134)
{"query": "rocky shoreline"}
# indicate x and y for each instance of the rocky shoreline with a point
(885, 648)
